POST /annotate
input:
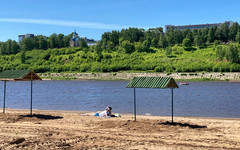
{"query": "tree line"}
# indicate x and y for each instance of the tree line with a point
(38, 42)
(134, 39)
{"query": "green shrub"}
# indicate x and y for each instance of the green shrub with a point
(83, 68)
(158, 69)
(183, 74)
(169, 73)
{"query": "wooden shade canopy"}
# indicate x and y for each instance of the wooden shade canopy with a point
(152, 82)
(18, 75)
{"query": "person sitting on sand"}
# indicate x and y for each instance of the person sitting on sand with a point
(105, 113)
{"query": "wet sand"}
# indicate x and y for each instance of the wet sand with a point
(71, 130)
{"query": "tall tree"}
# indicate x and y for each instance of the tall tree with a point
(204, 34)
(210, 36)
(8, 46)
(66, 40)
(27, 44)
(105, 39)
(23, 57)
(35, 42)
(132, 34)
(14, 47)
(187, 43)
(189, 35)
(52, 41)
(152, 33)
(2, 48)
(198, 41)
(127, 46)
(42, 41)
(154, 42)
(138, 47)
(114, 37)
(146, 45)
(222, 32)
(98, 49)
(232, 54)
(83, 44)
(60, 42)
(238, 37)
(168, 51)
(171, 36)
(233, 30)
(220, 52)
(162, 43)
(178, 36)
(110, 46)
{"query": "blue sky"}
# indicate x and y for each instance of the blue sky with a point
(93, 18)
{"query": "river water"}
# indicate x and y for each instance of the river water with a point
(198, 99)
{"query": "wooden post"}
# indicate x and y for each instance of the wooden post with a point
(135, 112)
(172, 105)
(31, 95)
(4, 96)
(31, 99)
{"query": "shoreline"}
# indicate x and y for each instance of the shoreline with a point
(35, 111)
(216, 76)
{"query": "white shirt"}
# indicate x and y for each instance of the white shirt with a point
(103, 113)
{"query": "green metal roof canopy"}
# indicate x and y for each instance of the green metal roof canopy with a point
(152, 82)
(18, 75)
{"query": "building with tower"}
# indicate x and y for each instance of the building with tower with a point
(75, 40)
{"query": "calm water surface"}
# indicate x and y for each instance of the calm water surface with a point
(204, 99)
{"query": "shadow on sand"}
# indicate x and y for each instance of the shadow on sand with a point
(41, 116)
(183, 125)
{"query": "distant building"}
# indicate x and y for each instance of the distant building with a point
(89, 42)
(21, 37)
(197, 26)
(75, 40)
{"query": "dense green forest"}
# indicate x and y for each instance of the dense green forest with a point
(211, 49)
(221, 58)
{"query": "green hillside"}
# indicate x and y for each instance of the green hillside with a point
(212, 58)
(214, 49)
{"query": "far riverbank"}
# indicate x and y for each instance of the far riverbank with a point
(226, 76)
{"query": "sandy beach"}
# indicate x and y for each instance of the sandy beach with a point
(71, 130)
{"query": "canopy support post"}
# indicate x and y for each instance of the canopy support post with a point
(4, 96)
(31, 94)
(172, 105)
(31, 99)
(135, 113)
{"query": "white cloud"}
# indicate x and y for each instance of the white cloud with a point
(79, 24)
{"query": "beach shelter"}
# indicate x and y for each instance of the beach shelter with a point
(152, 82)
(18, 75)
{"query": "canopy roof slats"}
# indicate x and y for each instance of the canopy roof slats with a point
(19, 75)
(152, 82)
